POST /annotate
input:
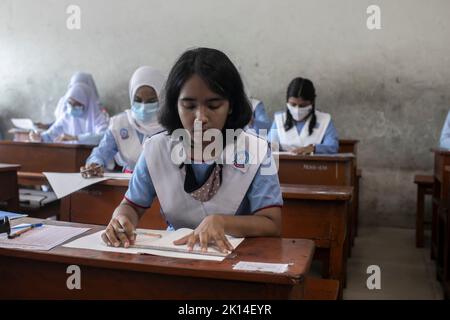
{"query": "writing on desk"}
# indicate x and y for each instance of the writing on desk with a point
(321, 167)
(226, 309)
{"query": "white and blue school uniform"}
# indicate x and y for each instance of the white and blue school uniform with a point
(89, 127)
(123, 138)
(125, 135)
(324, 135)
(444, 141)
(245, 189)
(260, 119)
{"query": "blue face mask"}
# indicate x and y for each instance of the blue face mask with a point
(144, 112)
(75, 111)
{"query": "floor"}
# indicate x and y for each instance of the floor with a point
(406, 271)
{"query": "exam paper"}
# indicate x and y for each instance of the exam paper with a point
(95, 242)
(64, 184)
(41, 238)
(23, 123)
(261, 266)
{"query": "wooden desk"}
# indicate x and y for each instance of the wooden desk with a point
(107, 275)
(351, 146)
(440, 191)
(39, 157)
(332, 170)
(319, 213)
(9, 190)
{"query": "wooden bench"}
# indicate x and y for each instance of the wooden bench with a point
(424, 187)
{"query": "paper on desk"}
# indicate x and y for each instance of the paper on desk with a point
(95, 242)
(23, 123)
(261, 266)
(64, 184)
(41, 238)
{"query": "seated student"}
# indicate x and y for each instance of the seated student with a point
(78, 77)
(301, 129)
(260, 121)
(444, 141)
(82, 122)
(203, 94)
(129, 129)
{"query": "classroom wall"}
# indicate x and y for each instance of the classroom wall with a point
(388, 88)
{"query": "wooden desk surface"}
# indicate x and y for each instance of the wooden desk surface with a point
(4, 167)
(299, 252)
(339, 157)
(316, 192)
(52, 145)
(39, 157)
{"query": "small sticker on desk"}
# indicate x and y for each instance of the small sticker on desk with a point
(261, 266)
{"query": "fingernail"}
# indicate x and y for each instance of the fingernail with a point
(116, 244)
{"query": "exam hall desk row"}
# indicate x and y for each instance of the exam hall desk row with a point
(109, 275)
(319, 213)
(332, 170)
(37, 157)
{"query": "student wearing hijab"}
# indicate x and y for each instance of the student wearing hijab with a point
(78, 77)
(83, 122)
(301, 128)
(129, 129)
(227, 191)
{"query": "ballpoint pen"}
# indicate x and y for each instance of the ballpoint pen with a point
(22, 231)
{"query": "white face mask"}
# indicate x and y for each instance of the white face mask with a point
(299, 113)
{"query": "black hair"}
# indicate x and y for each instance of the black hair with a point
(221, 76)
(301, 88)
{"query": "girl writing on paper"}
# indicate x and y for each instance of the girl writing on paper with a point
(301, 128)
(82, 121)
(214, 191)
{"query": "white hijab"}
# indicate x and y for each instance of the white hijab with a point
(78, 77)
(145, 76)
(93, 119)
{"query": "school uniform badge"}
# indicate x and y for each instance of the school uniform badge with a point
(241, 158)
(124, 133)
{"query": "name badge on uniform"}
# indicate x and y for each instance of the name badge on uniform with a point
(241, 158)
(124, 133)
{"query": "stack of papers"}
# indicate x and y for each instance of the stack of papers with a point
(41, 238)
(11, 215)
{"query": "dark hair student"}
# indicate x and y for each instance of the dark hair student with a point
(222, 77)
(301, 88)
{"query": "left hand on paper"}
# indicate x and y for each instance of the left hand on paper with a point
(304, 150)
(66, 137)
(211, 231)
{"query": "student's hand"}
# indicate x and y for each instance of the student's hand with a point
(120, 231)
(41, 125)
(66, 137)
(92, 170)
(211, 231)
(304, 150)
(35, 136)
